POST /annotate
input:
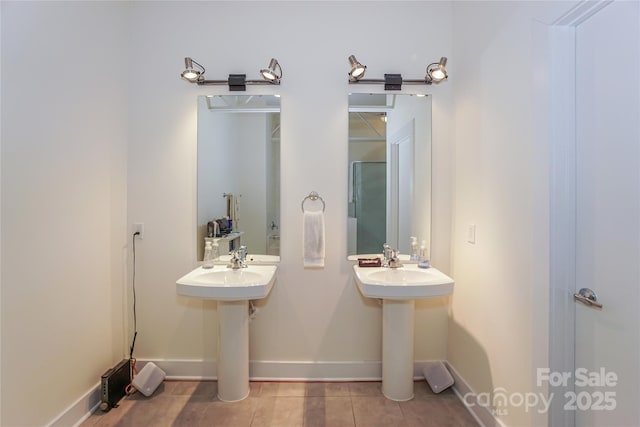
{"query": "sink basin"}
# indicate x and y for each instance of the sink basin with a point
(226, 284)
(404, 283)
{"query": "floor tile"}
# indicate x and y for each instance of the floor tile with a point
(228, 414)
(192, 388)
(460, 412)
(370, 411)
(279, 411)
(142, 412)
(255, 388)
(328, 412)
(192, 413)
(327, 389)
(422, 390)
(110, 418)
(365, 389)
(288, 389)
(427, 413)
(168, 408)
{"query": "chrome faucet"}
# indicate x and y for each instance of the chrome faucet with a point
(238, 258)
(391, 258)
(235, 261)
(243, 255)
(386, 253)
(394, 260)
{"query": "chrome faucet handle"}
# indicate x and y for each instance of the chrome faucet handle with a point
(236, 261)
(394, 260)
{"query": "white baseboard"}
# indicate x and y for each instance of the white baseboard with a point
(267, 370)
(482, 414)
(315, 370)
(183, 369)
(79, 410)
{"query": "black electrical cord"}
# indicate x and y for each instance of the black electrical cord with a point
(135, 320)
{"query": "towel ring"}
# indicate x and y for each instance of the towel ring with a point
(313, 196)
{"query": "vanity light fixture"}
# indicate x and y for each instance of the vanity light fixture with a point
(436, 73)
(189, 73)
(236, 82)
(271, 73)
(357, 69)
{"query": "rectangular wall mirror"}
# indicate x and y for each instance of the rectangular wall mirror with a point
(239, 173)
(389, 192)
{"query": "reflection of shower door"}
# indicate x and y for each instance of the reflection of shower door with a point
(370, 198)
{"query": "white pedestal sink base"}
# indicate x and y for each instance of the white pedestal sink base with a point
(233, 350)
(397, 349)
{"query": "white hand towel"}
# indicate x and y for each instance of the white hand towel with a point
(313, 239)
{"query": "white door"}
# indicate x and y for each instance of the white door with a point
(607, 342)
(401, 170)
(405, 197)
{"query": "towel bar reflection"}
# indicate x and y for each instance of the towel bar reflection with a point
(313, 196)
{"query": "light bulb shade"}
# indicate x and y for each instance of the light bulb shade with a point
(190, 73)
(273, 73)
(357, 69)
(437, 72)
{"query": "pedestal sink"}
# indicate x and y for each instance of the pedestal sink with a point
(398, 288)
(232, 289)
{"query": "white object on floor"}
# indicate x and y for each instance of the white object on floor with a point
(148, 379)
(438, 376)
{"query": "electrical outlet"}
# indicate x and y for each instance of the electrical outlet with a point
(139, 228)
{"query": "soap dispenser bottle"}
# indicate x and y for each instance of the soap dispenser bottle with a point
(424, 256)
(414, 249)
(215, 250)
(207, 261)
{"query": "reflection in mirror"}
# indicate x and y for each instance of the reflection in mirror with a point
(389, 190)
(239, 173)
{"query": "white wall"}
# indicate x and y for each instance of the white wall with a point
(501, 186)
(63, 203)
(63, 183)
(69, 176)
(311, 315)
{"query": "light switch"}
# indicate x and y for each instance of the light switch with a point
(471, 233)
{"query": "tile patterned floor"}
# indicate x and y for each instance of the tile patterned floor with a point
(285, 404)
